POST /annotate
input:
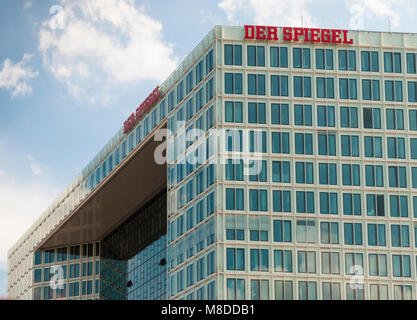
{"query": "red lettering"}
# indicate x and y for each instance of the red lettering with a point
(315, 35)
(336, 36)
(272, 33)
(249, 32)
(147, 104)
(325, 35)
(260, 33)
(287, 34)
(298, 33)
(126, 126)
(292, 34)
(345, 40)
(306, 34)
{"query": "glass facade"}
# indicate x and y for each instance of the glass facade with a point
(133, 257)
(301, 175)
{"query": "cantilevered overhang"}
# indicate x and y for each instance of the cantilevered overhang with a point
(131, 185)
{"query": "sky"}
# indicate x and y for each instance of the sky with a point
(71, 71)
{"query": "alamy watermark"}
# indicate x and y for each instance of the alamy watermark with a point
(193, 146)
(57, 21)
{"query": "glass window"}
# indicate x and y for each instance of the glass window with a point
(377, 235)
(403, 292)
(396, 148)
(279, 57)
(412, 91)
(370, 61)
(348, 89)
(326, 144)
(303, 115)
(411, 63)
(280, 142)
(304, 143)
(306, 261)
(324, 59)
(304, 172)
(279, 114)
(258, 170)
(397, 177)
(350, 146)
(352, 204)
(325, 88)
(259, 260)
(398, 206)
(256, 56)
(235, 289)
(347, 60)
(393, 90)
(234, 199)
(306, 231)
(401, 265)
(233, 83)
(327, 174)
(302, 87)
(370, 90)
(234, 112)
(372, 118)
(378, 265)
(282, 231)
(400, 236)
(257, 113)
(326, 116)
(330, 263)
(413, 120)
(279, 86)
(301, 58)
(284, 290)
(329, 203)
(307, 290)
(329, 232)
(353, 234)
(233, 54)
(260, 289)
(373, 147)
(234, 170)
(349, 117)
(281, 172)
(235, 259)
(258, 200)
(257, 141)
(281, 201)
(305, 202)
(374, 176)
(392, 62)
(375, 205)
(256, 84)
(351, 175)
(283, 261)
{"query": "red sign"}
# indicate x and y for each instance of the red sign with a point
(143, 108)
(298, 34)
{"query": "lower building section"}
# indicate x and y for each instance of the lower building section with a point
(133, 256)
(128, 264)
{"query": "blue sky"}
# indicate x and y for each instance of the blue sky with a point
(70, 75)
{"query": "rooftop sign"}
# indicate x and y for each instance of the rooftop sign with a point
(141, 110)
(298, 34)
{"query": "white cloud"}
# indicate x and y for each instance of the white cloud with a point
(28, 4)
(366, 11)
(271, 12)
(34, 165)
(104, 45)
(20, 206)
(15, 77)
